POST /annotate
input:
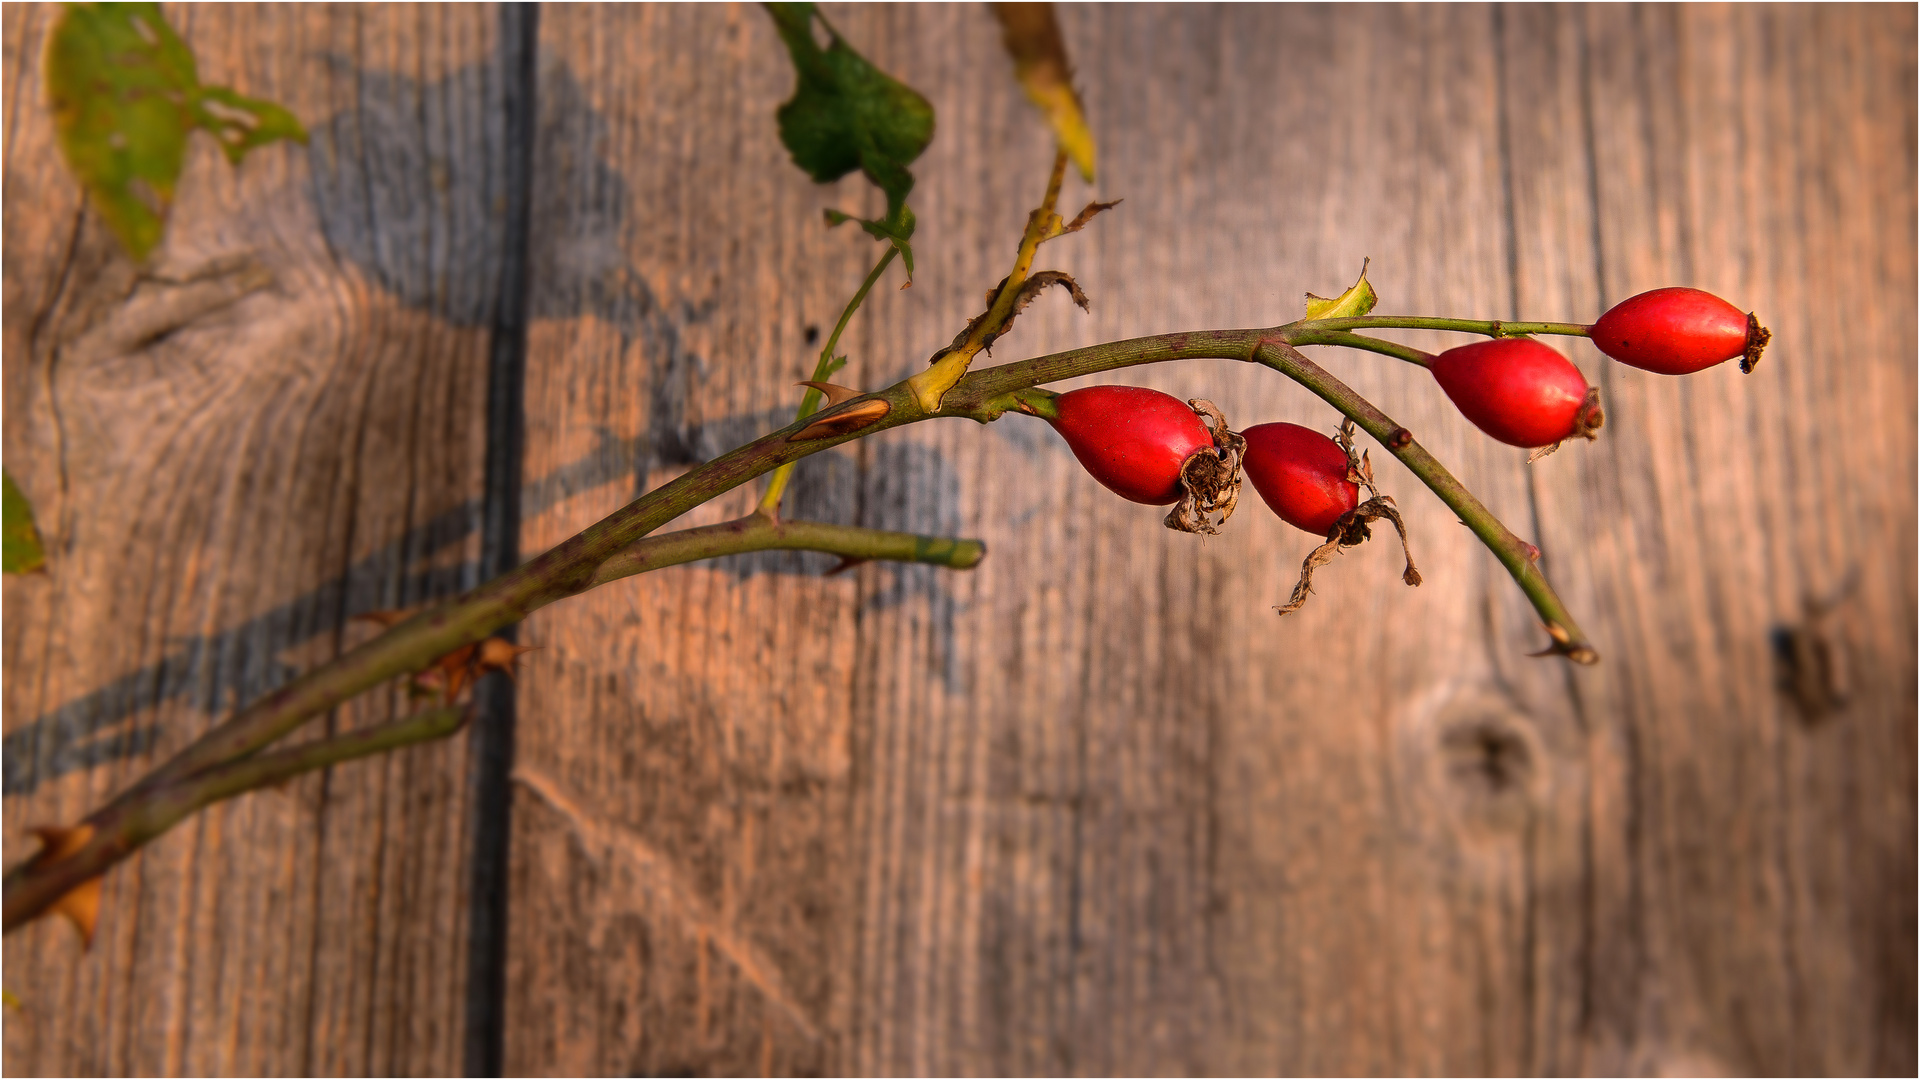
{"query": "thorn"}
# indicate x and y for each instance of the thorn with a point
(835, 393)
(80, 904)
(864, 414)
(847, 562)
(499, 654)
(383, 619)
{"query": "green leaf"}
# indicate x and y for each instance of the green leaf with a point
(1032, 37)
(126, 94)
(895, 233)
(1351, 304)
(846, 114)
(20, 551)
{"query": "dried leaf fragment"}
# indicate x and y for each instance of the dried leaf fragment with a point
(1355, 302)
(1037, 284)
(20, 548)
(1032, 37)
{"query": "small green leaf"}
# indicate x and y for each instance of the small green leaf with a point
(846, 114)
(20, 551)
(1351, 304)
(1032, 37)
(126, 94)
(895, 234)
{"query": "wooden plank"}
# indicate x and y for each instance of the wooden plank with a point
(1091, 808)
(220, 496)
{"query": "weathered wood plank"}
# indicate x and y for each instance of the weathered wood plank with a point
(1091, 808)
(220, 497)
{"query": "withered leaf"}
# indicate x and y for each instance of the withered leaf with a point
(1032, 37)
(1352, 304)
(126, 94)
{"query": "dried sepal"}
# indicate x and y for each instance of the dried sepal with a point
(1586, 425)
(1757, 338)
(1351, 530)
(1210, 477)
(1087, 213)
(1359, 465)
(1037, 284)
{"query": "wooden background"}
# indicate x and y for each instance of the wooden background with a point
(1090, 808)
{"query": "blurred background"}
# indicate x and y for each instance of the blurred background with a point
(1091, 807)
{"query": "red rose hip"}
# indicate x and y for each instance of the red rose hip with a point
(1301, 474)
(1678, 331)
(1518, 391)
(1132, 439)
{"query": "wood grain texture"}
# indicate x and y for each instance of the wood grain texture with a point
(225, 477)
(1091, 808)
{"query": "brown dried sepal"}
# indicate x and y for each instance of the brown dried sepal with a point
(1350, 531)
(1586, 425)
(1757, 338)
(1210, 477)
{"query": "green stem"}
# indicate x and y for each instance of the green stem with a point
(574, 565)
(261, 770)
(1490, 327)
(770, 502)
(1512, 551)
(762, 532)
(1357, 341)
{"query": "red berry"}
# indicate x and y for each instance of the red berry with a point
(1301, 474)
(1674, 331)
(1131, 439)
(1517, 390)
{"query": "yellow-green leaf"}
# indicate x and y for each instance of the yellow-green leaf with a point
(1032, 37)
(20, 550)
(126, 94)
(1351, 304)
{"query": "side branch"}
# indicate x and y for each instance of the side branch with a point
(601, 553)
(1512, 551)
(761, 532)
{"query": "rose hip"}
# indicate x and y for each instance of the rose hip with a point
(1678, 331)
(1132, 439)
(1518, 391)
(1301, 474)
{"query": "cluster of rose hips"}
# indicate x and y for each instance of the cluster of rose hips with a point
(1149, 447)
